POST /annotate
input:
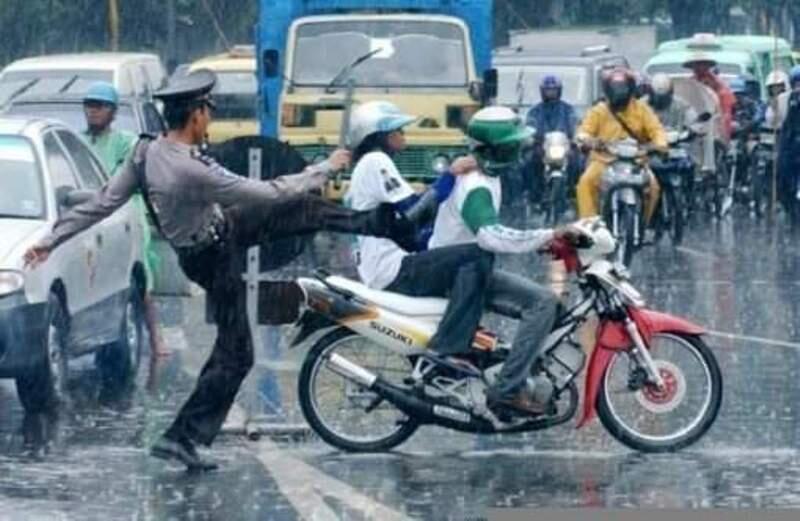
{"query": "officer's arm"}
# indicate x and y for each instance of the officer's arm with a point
(106, 201)
(480, 216)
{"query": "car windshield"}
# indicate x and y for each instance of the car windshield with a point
(49, 82)
(235, 95)
(22, 195)
(732, 69)
(519, 84)
(72, 114)
(412, 53)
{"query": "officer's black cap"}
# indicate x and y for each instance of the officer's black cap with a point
(193, 87)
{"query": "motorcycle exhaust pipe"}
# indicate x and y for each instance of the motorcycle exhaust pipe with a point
(347, 369)
(421, 410)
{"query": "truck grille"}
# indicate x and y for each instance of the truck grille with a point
(414, 163)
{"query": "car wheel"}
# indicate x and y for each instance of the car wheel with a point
(119, 362)
(44, 386)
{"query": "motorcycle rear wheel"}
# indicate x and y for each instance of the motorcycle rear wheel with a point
(658, 407)
(338, 418)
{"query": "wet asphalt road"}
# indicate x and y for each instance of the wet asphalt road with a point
(737, 278)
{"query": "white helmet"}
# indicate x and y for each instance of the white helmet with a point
(375, 116)
(777, 78)
(661, 84)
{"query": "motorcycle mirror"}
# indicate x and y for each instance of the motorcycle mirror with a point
(704, 117)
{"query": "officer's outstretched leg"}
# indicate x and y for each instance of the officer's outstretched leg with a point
(310, 213)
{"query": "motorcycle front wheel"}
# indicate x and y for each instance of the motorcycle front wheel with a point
(648, 419)
(344, 413)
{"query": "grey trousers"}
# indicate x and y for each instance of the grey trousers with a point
(536, 307)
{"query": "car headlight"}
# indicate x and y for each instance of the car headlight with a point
(440, 164)
(11, 282)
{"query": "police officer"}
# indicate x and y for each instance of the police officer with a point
(211, 217)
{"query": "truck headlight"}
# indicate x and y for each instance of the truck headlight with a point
(440, 164)
(11, 282)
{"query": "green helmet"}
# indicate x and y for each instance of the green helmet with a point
(497, 135)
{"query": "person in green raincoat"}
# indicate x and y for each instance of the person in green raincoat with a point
(113, 147)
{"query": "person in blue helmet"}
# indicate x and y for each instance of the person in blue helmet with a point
(748, 113)
(551, 114)
(114, 147)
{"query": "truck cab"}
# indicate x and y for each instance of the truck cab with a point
(428, 58)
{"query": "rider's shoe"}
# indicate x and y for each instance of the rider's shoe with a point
(182, 451)
(521, 403)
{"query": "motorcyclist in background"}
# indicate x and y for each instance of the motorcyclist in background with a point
(789, 143)
(672, 111)
(602, 124)
(551, 114)
(748, 115)
(777, 84)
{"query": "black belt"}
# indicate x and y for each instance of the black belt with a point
(213, 235)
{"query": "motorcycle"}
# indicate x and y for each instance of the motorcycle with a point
(368, 382)
(763, 170)
(556, 148)
(674, 174)
(622, 190)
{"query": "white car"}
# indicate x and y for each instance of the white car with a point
(87, 297)
(133, 74)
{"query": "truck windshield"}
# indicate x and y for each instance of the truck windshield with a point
(235, 95)
(22, 196)
(50, 81)
(413, 53)
(513, 80)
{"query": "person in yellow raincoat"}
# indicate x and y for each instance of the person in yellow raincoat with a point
(601, 126)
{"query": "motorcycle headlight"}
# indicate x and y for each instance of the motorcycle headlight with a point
(440, 164)
(556, 152)
(11, 282)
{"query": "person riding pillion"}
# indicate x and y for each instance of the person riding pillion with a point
(777, 85)
(620, 116)
(672, 110)
(470, 216)
(114, 147)
(459, 273)
(211, 216)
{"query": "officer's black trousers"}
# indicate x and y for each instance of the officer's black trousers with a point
(218, 269)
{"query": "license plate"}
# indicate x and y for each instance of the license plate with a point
(677, 154)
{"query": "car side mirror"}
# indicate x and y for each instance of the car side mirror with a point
(69, 197)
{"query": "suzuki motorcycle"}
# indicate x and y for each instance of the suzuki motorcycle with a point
(556, 156)
(368, 382)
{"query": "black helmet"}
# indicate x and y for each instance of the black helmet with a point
(619, 86)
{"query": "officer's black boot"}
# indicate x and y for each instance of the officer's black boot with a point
(382, 221)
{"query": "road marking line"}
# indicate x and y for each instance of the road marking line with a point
(303, 486)
(756, 339)
(697, 253)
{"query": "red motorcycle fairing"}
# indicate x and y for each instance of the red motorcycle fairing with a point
(612, 337)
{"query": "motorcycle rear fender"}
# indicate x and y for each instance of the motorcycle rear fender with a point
(612, 337)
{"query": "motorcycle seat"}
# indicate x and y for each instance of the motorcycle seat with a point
(402, 304)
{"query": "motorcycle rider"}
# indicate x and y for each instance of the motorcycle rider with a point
(672, 110)
(470, 217)
(551, 114)
(459, 272)
(777, 85)
(619, 116)
(703, 70)
(789, 144)
(747, 109)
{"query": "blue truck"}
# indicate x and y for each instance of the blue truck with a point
(429, 57)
